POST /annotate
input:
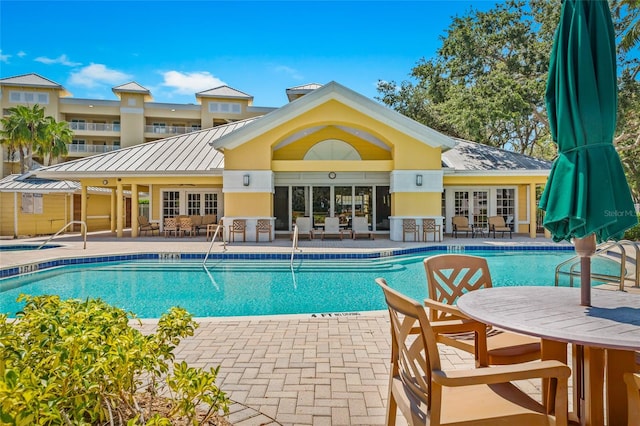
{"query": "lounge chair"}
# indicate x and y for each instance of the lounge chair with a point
(145, 226)
(497, 223)
(332, 227)
(263, 226)
(170, 226)
(449, 276)
(428, 394)
(409, 226)
(360, 226)
(238, 226)
(461, 223)
(429, 226)
(304, 227)
(633, 398)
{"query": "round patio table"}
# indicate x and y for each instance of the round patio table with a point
(605, 336)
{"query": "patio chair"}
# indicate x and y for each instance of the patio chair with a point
(145, 226)
(170, 226)
(409, 226)
(461, 223)
(238, 226)
(449, 276)
(196, 221)
(429, 226)
(633, 398)
(304, 227)
(186, 227)
(263, 226)
(427, 394)
(497, 223)
(332, 227)
(361, 227)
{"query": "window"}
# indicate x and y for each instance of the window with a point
(480, 208)
(170, 203)
(505, 204)
(225, 107)
(193, 204)
(195, 127)
(211, 204)
(78, 124)
(29, 97)
(159, 127)
(116, 126)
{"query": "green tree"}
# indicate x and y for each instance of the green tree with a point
(56, 136)
(21, 130)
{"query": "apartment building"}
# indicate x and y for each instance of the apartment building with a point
(130, 119)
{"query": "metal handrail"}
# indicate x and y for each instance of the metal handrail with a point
(621, 245)
(73, 222)
(294, 244)
(213, 240)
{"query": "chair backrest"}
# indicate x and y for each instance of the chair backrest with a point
(304, 223)
(414, 352)
(409, 225)
(360, 224)
(263, 225)
(143, 221)
(170, 223)
(460, 221)
(633, 397)
(429, 224)
(208, 219)
(497, 221)
(332, 225)
(239, 225)
(449, 276)
(185, 223)
(196, 220)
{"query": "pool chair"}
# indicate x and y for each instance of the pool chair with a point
(332, 228)
(497, 224)
(427, 393)
(305, 229)
(429, 226)
(238, 226)
(170, 226)
(145, 226)
(461, 223)
(263, 226)
(633, 398)
(361, 227)
(409, 226)
(449, 276)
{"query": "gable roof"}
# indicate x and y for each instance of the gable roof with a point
(28, 183)
(187, 154)
(132, 86)
(32, 79)
(295, 92)
(470, 156)
(335, 91)
(223, 92)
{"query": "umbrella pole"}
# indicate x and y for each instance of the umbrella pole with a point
(585, 247)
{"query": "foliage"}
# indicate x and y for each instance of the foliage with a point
(56, 136)
(80, 362)
(633, 234)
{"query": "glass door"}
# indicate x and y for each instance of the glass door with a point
(321, 206)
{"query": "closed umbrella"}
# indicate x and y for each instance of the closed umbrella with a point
(587, 196)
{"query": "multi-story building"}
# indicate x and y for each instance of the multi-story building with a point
(133, 118)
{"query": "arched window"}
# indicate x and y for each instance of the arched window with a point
(332, 149)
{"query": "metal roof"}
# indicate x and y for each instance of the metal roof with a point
(293, 92)
(223, 92)
(187, 154)
(28, 183)
(30, 80)
(131, 87)
(468, 155)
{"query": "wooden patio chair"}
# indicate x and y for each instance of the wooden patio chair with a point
(360, 226)
(427, 394)
(263, 226)
(145, 226)
(186, 227)
(429, 226)
(305, 227)
(409, 226)
(497, 224)
(170, 226)
(461, 223)
(633, 398)
(238, 226)
(449, 276)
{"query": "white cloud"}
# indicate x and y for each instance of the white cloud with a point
(4, 58)
(22, 54)
(291, 72)
(62, 59)
(97, 74)
(190, 82)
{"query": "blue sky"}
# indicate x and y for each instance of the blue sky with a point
(178, 48)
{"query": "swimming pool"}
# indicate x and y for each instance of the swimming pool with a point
(21, 247)
(240, 287)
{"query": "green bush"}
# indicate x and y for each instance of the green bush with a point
(633, 234)
(80, 362)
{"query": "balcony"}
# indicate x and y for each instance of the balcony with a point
(97, 129)
(162, 131)
(82, 150)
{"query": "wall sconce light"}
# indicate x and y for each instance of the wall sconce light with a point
(245, 180)
(104, 182)
(418, 180)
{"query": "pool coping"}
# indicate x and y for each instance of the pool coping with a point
(30, 267)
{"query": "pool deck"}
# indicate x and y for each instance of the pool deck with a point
(289, 369)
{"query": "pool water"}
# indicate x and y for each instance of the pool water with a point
(22, 247)
(265, 287)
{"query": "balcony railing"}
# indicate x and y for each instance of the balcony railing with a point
(169, 130)
(94, 127)
(90, 149)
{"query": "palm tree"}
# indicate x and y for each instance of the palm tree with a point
(56, 136)
(631, 36)
(21, 131)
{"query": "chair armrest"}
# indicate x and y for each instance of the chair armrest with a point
(444, 307)
(502, 373)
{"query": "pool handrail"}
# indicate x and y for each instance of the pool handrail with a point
(294, 244)
(213, 240)
(83, 231)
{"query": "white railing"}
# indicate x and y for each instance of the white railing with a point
(83, 230)
(90, 149)
(94, 127)
(169, 130)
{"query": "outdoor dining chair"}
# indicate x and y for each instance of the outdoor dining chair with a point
(449, 276)
(187, 227)
(238, 226)
(633, 398)
(428, 394)
(170, 226)
(263, 226)
(429, 226)
(409, 226)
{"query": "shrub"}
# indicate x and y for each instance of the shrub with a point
(633, 234)
(80, 362)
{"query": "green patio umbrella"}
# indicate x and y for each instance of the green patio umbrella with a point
(587, 196)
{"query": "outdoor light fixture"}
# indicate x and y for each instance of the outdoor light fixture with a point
(245, 180)
(418, 180)
(104, 182)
